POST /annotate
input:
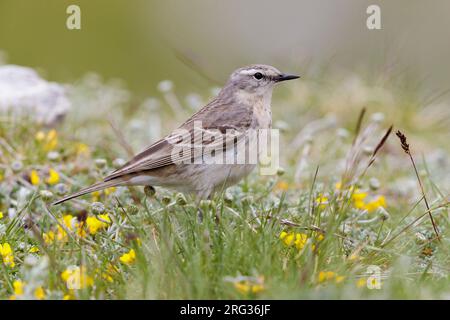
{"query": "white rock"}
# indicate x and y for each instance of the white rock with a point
(23, 92)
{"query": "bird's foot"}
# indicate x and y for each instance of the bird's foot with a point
(200, 215)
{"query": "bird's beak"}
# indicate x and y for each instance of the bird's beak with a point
(284, 77)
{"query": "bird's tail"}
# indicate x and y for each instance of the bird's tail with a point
(95, 187)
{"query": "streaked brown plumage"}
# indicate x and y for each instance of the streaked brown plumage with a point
(243, 104)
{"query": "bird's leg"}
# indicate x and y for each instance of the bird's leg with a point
(200, 215)
(204, 194)
(199, 210)
(217, 215)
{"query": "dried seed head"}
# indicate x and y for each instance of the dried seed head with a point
(61, 189)
(165, 86)
(403, 141)
(368, 150)
(420, 238)
(149, 191)
(280, 171)
(46, 195)
(228, 198)
(16, 166)
(181, 199)
(132, 209)
(205, 203)
(97, 208)
(165, 200)
(53, 155)
(383, 214)
(100, 163)
(342, 133)
(118, 162)
(378, 117)
(374, 184)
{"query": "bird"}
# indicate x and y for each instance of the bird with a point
(242, 105)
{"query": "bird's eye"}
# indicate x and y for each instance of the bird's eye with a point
(258, 76)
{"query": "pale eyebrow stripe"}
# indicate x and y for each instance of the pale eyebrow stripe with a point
(250, 71)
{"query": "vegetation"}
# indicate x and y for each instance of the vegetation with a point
(346, 214)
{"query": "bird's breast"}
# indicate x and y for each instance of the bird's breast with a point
(262, 116)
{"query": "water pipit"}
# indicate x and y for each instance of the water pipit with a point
(195, 158)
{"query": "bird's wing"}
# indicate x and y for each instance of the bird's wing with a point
(216, 117)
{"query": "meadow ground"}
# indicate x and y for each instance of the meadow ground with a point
(328, 225)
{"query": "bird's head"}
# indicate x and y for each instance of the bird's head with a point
(257, 79)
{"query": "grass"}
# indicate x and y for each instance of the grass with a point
(346, 204)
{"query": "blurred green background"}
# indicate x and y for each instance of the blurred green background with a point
(140, 41)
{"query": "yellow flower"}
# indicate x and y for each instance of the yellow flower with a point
(375, 204)
(282, 186)
(82, 149)
(76, 278)
(110, 190)
(70, 223)
(68, 297)
(370, 206)
(95, 195)
(18, 289)
(326, 276)
(49, 237)
(33, 249)
(242, 287)
(40, 135)
(34, 177)
(107, 277)
(354, 256)
(53, 177)
(7, 254)
(39, 293)
(291, 238)
(300, 240)
(287, 238)
(322, 201)
(18, 286)
(358, 196)
(51, 140)
(247, 286)
(359, 205)
(109, 273)
(362, 282)
(95, 224)
(1, 215)
(128, 258)
(81, 232)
